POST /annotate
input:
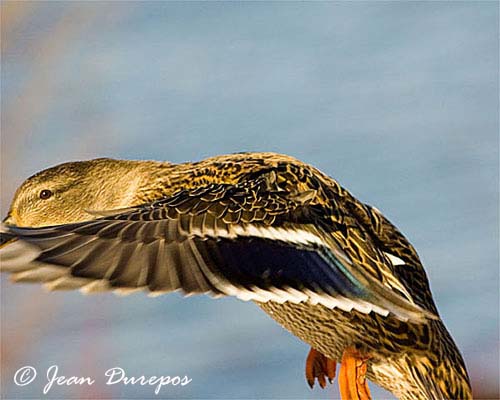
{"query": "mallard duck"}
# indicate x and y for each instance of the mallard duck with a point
(259, 226)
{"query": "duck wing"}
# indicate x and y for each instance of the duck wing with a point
(258, 239)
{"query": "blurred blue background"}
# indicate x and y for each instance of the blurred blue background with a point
(398, 101)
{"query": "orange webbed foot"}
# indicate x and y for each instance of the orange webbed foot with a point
(352, 376)
(319, 367)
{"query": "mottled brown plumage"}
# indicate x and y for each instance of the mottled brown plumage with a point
(259, 226)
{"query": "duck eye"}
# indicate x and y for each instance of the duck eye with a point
(45, 194)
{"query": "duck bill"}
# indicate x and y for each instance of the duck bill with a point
(8, 220)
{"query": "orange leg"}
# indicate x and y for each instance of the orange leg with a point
(352, 377)
(319, 367)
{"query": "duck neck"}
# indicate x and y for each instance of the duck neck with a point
(145, 182)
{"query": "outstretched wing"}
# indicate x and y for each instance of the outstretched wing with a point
(246, 240)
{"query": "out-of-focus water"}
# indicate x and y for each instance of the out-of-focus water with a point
(398, 101)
